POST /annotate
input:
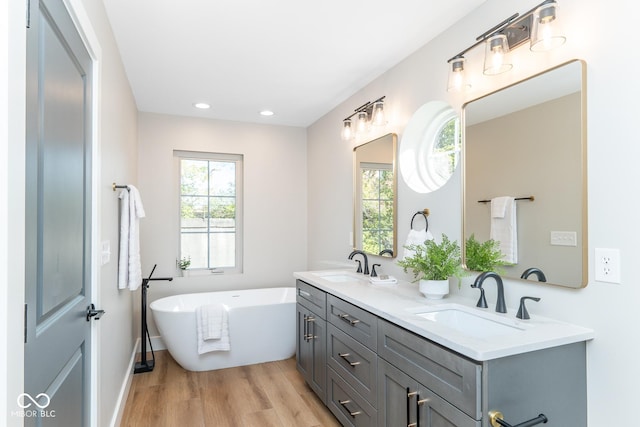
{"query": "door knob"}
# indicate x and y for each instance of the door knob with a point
(92, 312)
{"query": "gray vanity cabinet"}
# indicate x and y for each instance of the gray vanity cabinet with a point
(311, 337)
(352, 369)
(405, 402)
(371, 372)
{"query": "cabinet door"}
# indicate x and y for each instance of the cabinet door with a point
(311, 333)
(396, 401)
(405, 402)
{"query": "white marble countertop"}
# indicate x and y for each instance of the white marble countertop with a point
(399, 304)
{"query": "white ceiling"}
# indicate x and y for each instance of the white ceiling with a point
(297, 58)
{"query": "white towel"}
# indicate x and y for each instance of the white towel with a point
(416, 237)
(504, 227)
(212, 325)
(129, 267)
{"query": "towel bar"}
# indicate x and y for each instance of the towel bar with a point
(114, 186)
(424, 213)
(530, 198)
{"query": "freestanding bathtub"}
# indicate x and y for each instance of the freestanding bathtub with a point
(262, 327)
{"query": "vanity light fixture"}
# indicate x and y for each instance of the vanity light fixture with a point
(538, 26)
(370, 113)
(457, 78)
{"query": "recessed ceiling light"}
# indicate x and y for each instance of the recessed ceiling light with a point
(266, 113)
(202, 105)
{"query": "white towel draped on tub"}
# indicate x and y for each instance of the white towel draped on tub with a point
(504, 227)
(212, 325)
(129, 268)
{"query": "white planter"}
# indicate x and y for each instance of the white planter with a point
(185, 273)
(434, 289)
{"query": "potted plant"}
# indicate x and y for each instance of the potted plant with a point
(433, 264)
(184, 264)
(485, 256)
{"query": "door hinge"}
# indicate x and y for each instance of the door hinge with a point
(28, 14)
(26, 308)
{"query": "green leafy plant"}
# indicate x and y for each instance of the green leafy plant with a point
(485, 256)
(434, 261)
(184, 263)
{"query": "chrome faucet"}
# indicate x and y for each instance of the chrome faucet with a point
(501, 307)
(366, 260)
(533, 270)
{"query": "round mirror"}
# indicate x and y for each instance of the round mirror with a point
(430, 147)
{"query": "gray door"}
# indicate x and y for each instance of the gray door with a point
(58, 221)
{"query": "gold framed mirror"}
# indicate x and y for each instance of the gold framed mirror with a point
(375, 196)
(528, 142)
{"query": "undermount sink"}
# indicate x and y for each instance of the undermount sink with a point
(476, 325)
(337, 277)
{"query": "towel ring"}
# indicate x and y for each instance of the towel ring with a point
(424, 213)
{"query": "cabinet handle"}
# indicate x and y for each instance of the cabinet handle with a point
(418, 403)
(344, 405)
(345, 317)
(304, 293)
(345, 355)
(307, 335)
(410, 394)
(304, 328)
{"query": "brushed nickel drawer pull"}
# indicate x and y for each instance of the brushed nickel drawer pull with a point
(412, 393)
(345, 355)
(344, 405)
(304, 293)
(423, 401)
(345, 317)
(311, 319)
(412, 425)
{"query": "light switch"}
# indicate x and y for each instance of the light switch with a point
(105, 252)
(564, 238)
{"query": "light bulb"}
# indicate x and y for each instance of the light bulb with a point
(378, 118)
(347, 131)
(494, 58)
(544, 32)
(457, 81)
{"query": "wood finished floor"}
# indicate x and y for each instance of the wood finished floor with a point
(265, 395)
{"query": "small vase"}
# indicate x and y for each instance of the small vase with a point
(434, 289)
(185, 273)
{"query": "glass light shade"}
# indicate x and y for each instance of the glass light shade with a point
(457, 81)
(347, 130)
(544, 32)
(362, 122)
(377, 114)
(495, 61)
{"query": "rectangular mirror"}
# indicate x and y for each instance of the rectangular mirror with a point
(375, 196)
(529, 141)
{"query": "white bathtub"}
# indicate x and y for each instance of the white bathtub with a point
(262, 327)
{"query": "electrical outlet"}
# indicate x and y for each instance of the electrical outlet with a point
(608, 265)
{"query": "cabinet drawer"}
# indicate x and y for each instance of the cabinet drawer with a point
(356, 322)
(453, 377)
(355, 363)
(312, 298)
(347, 405)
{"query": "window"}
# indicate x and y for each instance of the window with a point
(377, 206)
(211, 210)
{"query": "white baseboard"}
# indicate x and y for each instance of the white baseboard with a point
(158, 344)
(124, 390)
